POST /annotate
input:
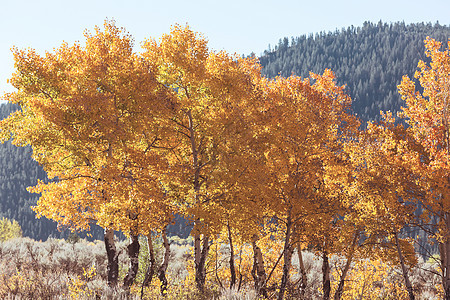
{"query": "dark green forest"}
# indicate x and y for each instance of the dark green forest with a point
(18, 171)
(370, 60)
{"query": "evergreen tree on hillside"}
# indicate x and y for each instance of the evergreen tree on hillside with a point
(370, 60)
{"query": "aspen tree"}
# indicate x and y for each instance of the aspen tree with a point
(427, 114)
(93, 116)
(209, 129)
(308, 121)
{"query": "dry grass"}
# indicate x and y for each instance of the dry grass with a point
(57, 269)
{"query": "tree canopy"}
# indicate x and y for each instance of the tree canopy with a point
(129, 139)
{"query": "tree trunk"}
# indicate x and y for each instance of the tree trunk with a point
(302, 271)
(151, 267)
(287, 257)
(444, 249)
(201, 248)
(326, 284)
(232, 268)
(197, 258)
(113, 257)
(258, 270)
(163, 268)
(404, 269)
(133, 253)
(200, 252)
(340, 288)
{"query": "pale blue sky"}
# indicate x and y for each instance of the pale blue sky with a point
(235, 26)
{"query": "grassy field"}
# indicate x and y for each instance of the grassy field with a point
(76, 269)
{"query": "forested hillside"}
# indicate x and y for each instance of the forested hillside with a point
(17, 172)
(370, 60)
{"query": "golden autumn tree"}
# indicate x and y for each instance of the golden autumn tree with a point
(241, 205)
(308, 124)
(210, 132)
(384, 191)
(93, 116)
(427, 114)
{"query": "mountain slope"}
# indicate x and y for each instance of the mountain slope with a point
(18, 171)
(370, 60)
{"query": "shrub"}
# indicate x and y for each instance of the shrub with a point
(9, 229)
